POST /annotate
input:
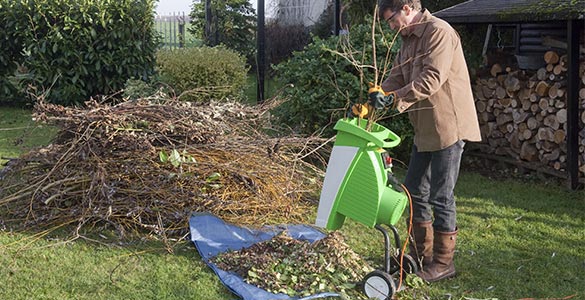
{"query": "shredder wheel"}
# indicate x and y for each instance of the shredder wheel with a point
(379, 285)
(410, 265)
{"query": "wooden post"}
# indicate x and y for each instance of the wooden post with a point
(574, 31)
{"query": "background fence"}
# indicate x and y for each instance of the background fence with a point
(173, 30)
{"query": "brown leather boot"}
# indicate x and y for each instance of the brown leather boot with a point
(442, 266)
(421, 243)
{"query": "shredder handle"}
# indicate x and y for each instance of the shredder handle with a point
(392, 140)
(378, 135)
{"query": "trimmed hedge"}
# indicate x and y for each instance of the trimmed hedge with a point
(202, 74)
(75, 49)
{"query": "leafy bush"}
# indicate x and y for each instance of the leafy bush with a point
(75, 49)
(11, 39)
(325, 83)
(202, 74)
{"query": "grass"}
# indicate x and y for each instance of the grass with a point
(19, 133)
(517, 240)
(51, 268)
(271, 87)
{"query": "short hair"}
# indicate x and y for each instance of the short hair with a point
(396, 5)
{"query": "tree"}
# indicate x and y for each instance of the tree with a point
(233, 24)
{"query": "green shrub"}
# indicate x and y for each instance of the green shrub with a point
(75, 49)
(202, 74)
(325, 83)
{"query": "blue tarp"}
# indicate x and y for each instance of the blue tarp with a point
(212, 236)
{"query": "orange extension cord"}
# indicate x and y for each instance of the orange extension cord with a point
(408, 237)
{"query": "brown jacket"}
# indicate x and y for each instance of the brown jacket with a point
(431, 81)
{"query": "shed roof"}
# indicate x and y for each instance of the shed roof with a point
(506, 11)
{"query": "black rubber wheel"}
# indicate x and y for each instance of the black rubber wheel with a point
(379, 285)
(410, 265)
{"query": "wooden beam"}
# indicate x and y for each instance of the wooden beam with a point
(574, 31)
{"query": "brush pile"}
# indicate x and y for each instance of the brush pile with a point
(146, 165)
(298, 268)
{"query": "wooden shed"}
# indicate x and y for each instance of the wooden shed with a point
(531, 106)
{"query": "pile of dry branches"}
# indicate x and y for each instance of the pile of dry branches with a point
(146, 165)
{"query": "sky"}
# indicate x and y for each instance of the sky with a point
(165, 7)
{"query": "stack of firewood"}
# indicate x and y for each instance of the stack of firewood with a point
(523, 113)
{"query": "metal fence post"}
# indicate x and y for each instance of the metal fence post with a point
(181, 20)
(261, 52)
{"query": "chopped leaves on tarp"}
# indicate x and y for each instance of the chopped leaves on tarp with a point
(297, 267)
(291, 261)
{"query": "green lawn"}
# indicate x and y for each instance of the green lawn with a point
(19, 133)
(50, 269)
(271, 87)
(518, 240)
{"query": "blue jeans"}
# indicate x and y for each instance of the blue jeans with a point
(431, 179)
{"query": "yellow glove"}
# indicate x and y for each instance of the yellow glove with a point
(361, 110)
(378, 98)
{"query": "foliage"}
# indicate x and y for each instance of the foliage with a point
(74, 49)
(233, 24)
(202, 74)
(13, 20)
(135, 89)
(325, 82)
(472, 39)
(283, 40)
(323, 28)
(358, 11)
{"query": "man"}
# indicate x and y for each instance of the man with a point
(430, 81)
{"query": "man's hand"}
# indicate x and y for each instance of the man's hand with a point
(380, 99)
(361, 110)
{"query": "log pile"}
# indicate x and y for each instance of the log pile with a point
(523, 113)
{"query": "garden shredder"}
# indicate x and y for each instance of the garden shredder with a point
(359, 184)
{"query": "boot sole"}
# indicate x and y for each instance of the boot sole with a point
(446, 276)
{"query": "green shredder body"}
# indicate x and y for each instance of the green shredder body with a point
(356, 181)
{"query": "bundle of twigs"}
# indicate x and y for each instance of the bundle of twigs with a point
(147, 165)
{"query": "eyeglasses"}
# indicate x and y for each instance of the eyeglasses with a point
(392, 16)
